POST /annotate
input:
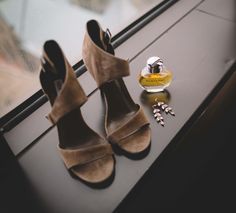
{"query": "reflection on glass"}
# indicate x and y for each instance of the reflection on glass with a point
(26, 24)
(150, 99)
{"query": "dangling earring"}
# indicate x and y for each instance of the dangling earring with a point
(159, 107)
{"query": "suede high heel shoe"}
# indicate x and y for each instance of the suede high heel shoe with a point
(85, 153)
(126, 125)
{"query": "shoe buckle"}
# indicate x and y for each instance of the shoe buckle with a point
(47, 66)
(107, 36)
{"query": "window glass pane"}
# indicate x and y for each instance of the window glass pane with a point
(26, 24)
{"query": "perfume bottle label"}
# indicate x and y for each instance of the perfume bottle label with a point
(155, 79)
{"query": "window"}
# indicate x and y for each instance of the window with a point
(26, 24)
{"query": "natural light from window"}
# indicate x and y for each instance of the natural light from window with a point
(26, 24)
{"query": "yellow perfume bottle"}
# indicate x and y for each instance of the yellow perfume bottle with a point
(154, 77)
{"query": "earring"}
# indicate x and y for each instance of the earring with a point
(161, 107)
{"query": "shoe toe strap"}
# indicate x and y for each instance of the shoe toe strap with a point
(85, 155)
(138, 121)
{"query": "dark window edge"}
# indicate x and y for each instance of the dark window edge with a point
(27, 107)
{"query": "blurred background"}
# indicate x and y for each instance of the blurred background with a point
(26, 24)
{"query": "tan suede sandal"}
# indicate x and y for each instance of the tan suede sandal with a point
(85, 153)
(125, 122)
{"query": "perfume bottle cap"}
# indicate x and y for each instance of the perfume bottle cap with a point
(155, 64)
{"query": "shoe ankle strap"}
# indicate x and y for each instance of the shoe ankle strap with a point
(65, 96)
(103, 66)
(70, 97)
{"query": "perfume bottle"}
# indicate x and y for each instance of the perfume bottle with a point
(154, 77)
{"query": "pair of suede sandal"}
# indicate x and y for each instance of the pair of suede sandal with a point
(85, 153)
